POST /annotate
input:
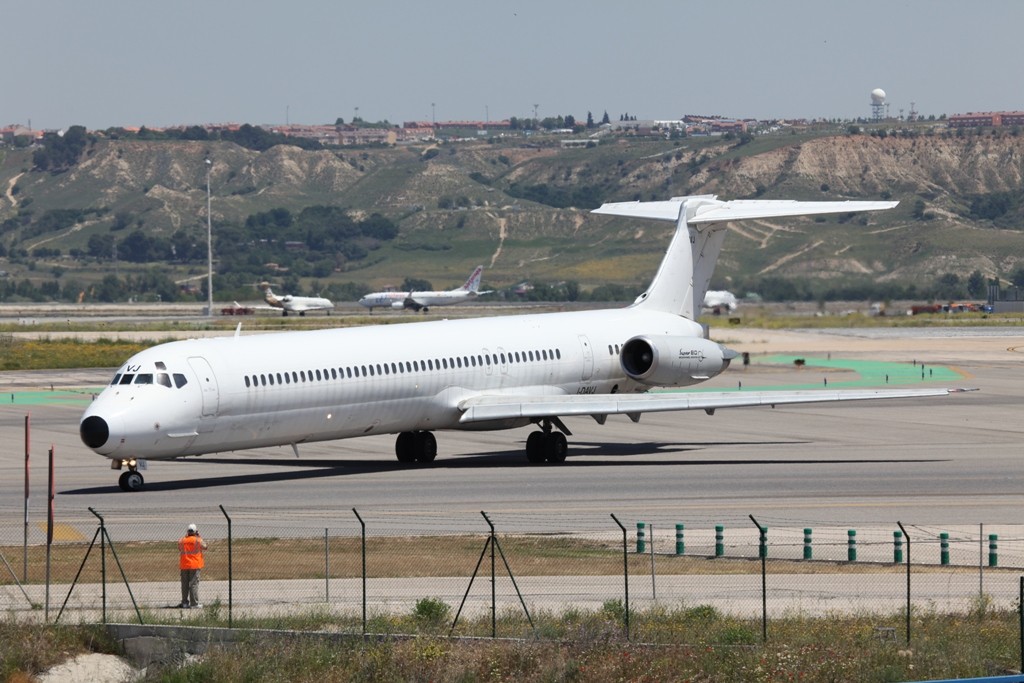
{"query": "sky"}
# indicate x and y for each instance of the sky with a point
(159, 63)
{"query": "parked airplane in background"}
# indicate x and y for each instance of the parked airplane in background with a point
(424, 300)
(719, 299)
(287, 388)
(295, 304)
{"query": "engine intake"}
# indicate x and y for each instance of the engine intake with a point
(672, 361)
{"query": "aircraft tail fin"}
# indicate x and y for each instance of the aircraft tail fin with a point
(473, 283)
(686, 269)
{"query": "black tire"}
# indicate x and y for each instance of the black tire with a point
(535, 447)
(133, 481)
(558, 447)
(427, 450)
(405, 447)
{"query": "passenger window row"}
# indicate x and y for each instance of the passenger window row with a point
(401, 367)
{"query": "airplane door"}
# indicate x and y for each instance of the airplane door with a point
(588, 358)
(207, 385)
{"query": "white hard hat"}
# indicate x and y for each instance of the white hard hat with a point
(192, 527)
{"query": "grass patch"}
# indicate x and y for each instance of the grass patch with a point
(257, 559)
(32, 354)
(679, 643)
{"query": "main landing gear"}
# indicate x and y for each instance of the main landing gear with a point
(416, 447)
(546, 445)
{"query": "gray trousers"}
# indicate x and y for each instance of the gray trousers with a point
(190, 586)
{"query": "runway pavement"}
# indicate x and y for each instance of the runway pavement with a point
(934, 462)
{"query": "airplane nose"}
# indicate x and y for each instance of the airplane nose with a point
(94, 431)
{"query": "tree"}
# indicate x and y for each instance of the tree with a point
(590, 120)
(918, 211)
(1017, 278)
(605, 118)
(976, 285)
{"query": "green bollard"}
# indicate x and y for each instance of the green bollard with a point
(808, 553)
(851, 545)
(762, 548)
(944, 548)
(641, 537)
(719, 540)
(897, 547)
(680, 542)
(993, 556)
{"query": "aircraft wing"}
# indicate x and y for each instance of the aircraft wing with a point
(720, 211)
(501, 407)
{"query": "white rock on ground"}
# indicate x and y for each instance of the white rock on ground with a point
(91, 668)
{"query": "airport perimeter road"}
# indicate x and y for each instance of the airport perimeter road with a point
(940, 461)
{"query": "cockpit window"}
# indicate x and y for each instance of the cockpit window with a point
(117, 378)
(179, 380)
(144, 378)
(127, 378)
(163, 379)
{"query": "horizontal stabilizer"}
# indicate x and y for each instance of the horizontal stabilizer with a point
(713, 211)
(504, 407)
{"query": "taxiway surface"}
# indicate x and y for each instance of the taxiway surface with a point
(944, 461)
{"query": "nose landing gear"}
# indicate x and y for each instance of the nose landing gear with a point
(131, 480)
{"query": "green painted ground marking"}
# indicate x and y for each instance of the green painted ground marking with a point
(868, 374)
(80, 397)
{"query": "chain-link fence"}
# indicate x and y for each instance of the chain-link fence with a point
(507, 574)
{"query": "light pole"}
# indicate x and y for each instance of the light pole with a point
(209, 245)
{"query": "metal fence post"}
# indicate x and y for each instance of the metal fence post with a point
(327, 568)
(103, 561)
(362, 526)
(763, 552)
(626, 573)
(907, 536)
(231, 596)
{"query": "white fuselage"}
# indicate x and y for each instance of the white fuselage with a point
(416, 300)
(294, 387)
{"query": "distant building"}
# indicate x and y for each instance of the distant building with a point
(987, 119)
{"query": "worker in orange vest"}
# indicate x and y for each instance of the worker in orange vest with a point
(190, 549)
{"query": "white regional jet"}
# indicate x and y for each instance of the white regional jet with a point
(295, 304)
(424, 300)
(288, 388)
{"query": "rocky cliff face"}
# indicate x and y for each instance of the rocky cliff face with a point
(162, 186)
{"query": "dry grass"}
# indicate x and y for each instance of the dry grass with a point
(406, 557)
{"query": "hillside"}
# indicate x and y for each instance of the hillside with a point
(509, 205)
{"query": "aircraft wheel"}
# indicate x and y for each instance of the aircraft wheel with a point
(557, 447)
(405, 447)
(130, 481)
(535, 447)
(284, 314)
(427, 447)
(302, 313)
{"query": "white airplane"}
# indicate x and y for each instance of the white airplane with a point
(295, 304)
(288, 388)
(719, 299)
(424, 300)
